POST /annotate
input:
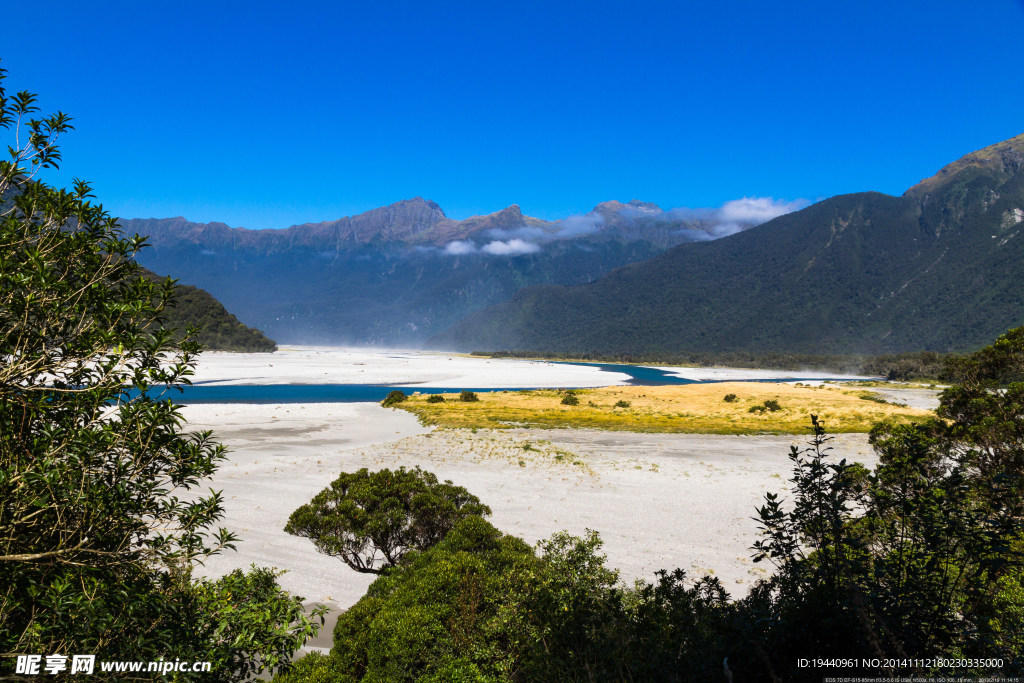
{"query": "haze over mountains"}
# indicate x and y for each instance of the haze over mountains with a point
(397, 274)
(938, 268)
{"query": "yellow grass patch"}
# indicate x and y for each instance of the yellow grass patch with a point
(688, 408)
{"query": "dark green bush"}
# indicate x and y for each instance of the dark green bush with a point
(729, 398)
(435, 398)
(468, 396)
(622, 404)
(570, 399)
(394, 397)
(770, 405)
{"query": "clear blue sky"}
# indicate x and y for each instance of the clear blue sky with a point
(265, 114)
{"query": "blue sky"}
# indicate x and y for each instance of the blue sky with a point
(269, 114)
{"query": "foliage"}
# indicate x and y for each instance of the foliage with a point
(447, 614)
(933, 562)
(370, 520)
(100, 524)
(468, 396)
(729, 398)
(817, 523)
(482, 606)
(393, 398)
(905, 367)
(247, 625)
(435, 398)
(622, 404)
(570, 399)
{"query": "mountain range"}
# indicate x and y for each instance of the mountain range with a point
(937, 268)
(398, 274)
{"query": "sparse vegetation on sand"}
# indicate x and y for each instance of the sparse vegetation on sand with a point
(689, 409)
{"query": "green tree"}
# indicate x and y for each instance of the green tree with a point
(451, 613)
(933, 562)
(370, 520)
(244, 624)
(100, 521)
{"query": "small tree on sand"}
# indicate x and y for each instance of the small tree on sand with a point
(372, 519)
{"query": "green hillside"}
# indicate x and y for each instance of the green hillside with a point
(219, 330)
(938, 268)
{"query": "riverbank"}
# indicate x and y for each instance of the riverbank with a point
(660, 501)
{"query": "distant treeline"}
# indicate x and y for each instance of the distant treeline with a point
(919, 365)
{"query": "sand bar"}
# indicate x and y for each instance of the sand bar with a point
(334, 365)
(331, 365)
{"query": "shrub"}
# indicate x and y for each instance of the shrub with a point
(622, 404)
(371, 519)
(770, 405)
(730, 398)
(450, 613)
(468, 396)
(570, 399)
(435, 398)
(394, 397)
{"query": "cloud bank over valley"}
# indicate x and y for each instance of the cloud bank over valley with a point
(634, 220)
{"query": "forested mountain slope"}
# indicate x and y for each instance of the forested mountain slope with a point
(938, 268)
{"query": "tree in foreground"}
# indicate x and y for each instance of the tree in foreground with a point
(101, 522)
(370, 520)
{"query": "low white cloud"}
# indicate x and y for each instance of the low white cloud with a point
(523, 232)
(701, 224)
(510, 248)
(459, 248)
(757, 210)
(574, 226)
(733, 216)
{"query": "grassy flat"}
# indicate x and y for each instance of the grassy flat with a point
(688, 409)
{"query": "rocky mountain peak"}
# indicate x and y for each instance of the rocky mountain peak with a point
(615, 206)
(1003, 159)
